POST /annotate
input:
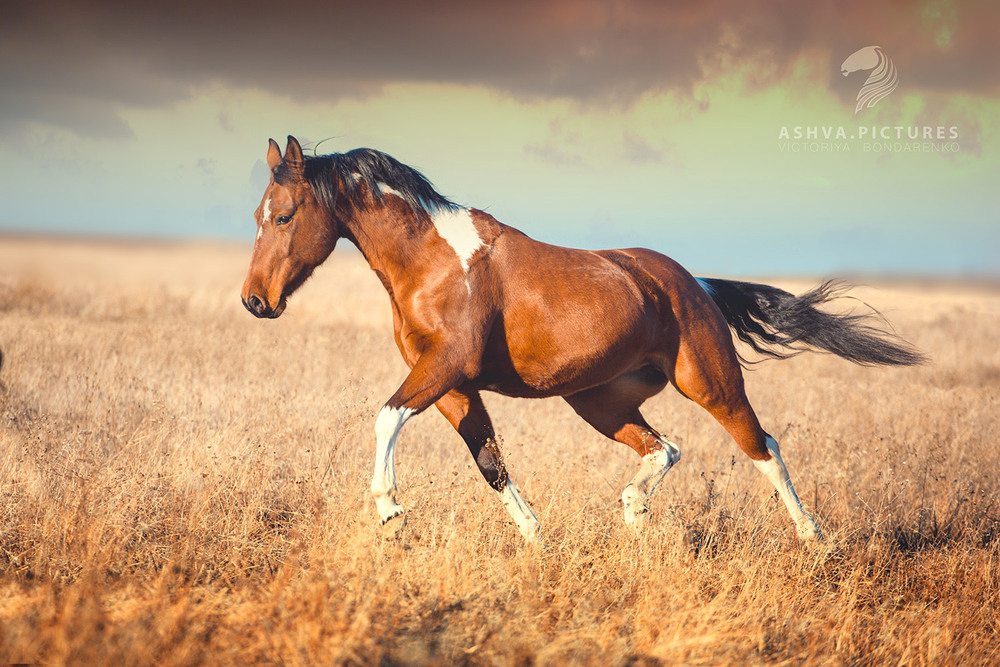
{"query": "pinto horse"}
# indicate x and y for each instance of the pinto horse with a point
(480, 306)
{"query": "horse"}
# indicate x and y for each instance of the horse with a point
(480, 306)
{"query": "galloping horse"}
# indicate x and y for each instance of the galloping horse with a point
(478, 305)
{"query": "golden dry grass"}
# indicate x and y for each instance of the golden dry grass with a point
(183, 484)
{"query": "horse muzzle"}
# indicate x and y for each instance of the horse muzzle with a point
(259, 307)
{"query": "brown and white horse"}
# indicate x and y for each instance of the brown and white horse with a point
(478, 305)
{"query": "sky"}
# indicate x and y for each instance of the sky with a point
(722, 133)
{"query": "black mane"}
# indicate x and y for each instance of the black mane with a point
(371, 167)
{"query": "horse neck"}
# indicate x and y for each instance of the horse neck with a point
(392, 238)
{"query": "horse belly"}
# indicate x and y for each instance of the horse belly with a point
(560, 339)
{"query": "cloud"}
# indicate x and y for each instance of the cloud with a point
(638, 150)
(550, 153)
(206, 165)
(75, 64)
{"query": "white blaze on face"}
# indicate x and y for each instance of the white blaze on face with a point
(267, 211)
(456, 227)
(265, 215)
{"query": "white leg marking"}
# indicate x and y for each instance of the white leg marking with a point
(774, 469)
(636, 494)
(525, 519)
(455, 226)
(387, 426)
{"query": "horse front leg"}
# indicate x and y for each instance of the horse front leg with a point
(429, 379)
(387, 425)
(465, 411)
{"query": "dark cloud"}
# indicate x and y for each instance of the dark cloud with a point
(75, 63)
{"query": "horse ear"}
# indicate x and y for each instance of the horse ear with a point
(293, 153)
(273, 154)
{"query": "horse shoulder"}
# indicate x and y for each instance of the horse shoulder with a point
(444, 312)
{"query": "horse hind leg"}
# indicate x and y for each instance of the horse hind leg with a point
(655, 464)
(707, 371)
(776, 472)
(726, 400)
(763, 450)
(613, 409)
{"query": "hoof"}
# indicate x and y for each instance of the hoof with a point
(821, 547)
(810, 533)
(637, 518)
(532, 534)
(392, 526)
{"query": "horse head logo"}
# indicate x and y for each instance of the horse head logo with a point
(882, 79)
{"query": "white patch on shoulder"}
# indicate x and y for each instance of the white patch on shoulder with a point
(456, 227)
(267, 211)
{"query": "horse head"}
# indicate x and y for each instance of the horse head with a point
(296, 232)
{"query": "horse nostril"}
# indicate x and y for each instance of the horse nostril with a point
(255, 305)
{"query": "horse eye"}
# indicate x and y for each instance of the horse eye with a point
(283, 219)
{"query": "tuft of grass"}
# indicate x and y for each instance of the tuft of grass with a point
(182, 484)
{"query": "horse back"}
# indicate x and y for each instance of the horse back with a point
(568, 319)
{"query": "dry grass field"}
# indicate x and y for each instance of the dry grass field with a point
(183, 484)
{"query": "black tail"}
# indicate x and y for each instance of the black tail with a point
(779, 325)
